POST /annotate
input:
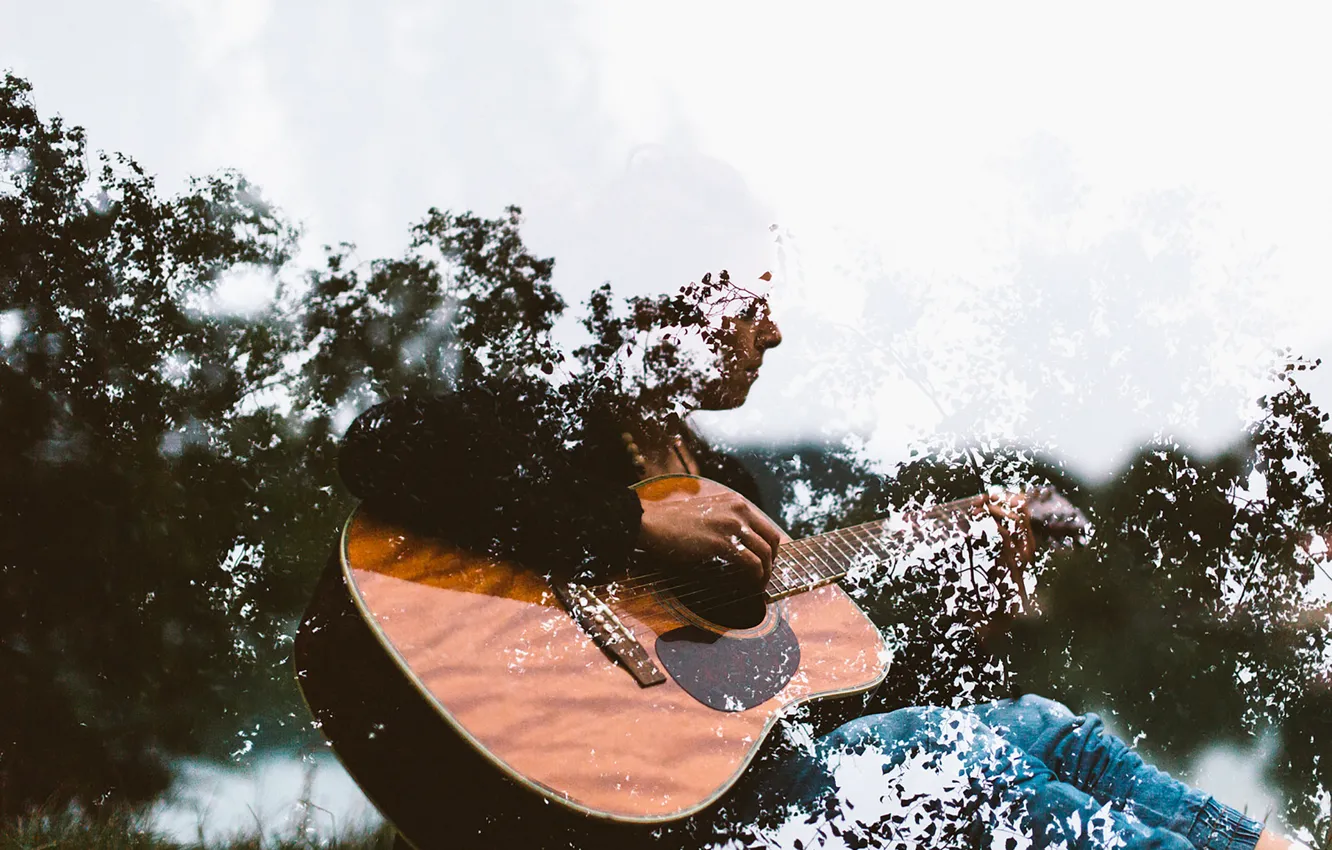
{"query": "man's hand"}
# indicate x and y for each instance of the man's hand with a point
(1023, 518)
(726, 525)
(1012, 513)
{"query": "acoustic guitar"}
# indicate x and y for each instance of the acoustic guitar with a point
(474, 699)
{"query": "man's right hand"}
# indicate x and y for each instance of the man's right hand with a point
(691, 531)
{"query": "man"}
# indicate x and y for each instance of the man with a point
(509, 467)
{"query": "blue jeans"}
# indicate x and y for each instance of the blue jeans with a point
(1014, 773)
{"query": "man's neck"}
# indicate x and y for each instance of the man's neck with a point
(662, 445)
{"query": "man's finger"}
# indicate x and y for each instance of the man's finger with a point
(752, 564)
(764, 527)
(752, 541)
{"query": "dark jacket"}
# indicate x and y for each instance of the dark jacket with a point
(511, 469)
(516, 470)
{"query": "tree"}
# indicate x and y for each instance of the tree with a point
(1194, 614)
(122, 400)
(169, 491)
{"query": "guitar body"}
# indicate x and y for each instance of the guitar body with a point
(464, 698)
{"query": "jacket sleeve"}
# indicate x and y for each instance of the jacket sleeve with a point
(494, 469)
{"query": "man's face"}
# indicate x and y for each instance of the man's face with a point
(744, 337)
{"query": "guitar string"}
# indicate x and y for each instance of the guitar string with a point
(699, 595)
(695, 587)
(651, 583)
(870, 538)
(838, 573)
(819, 560)
(786, 556)
(808, 575)
(700, 588)
(814, 576)
(787, 552)
(708, 594)
(692, 589)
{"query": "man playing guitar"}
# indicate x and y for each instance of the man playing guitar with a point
(493, 467)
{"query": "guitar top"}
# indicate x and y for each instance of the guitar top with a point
(640, 701)
(491, 648)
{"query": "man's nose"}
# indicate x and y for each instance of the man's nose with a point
(770, 336)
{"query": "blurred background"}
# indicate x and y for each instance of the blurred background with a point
(1008, 245)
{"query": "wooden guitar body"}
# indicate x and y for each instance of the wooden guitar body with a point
(466, 700)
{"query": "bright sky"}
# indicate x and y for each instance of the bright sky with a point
(1025, 220)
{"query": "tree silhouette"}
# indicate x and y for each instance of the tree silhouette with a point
(1194, 614)
(168, 465)
(127, 455)
(169, 492)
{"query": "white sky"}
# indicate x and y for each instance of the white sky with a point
(1021, 220)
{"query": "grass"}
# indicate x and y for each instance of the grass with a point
(125, 830)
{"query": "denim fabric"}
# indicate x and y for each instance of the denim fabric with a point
(1014, 773)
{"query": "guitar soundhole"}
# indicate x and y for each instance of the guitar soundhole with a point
(725, 603)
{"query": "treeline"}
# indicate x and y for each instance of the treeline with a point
(169, 489)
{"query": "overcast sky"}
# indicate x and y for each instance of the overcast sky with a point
(1010, 220)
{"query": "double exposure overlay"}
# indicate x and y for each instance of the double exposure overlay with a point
(1039, 652)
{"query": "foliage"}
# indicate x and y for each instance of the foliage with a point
(466, 301)
(168, 462)
(1193, 614)
(170, 492)
(1205, 573)
(119, 394)
(659, 352)
(122, 829)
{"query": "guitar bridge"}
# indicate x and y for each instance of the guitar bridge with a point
(596, 618)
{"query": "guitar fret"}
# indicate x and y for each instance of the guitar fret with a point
(779, 583)
(872, 551)
(857, 538)
(817, 560)
(869, 539)
(801, 565)
(793, 566)
(824, 568)
(834, 538)
(831, 557)
(826, 561)
(813, 561)
(823, 558)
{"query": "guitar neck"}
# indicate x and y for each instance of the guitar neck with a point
(824, 558)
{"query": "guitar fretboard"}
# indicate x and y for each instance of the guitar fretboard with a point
(824, 558)
(814, 561)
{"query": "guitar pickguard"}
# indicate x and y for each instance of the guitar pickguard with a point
(730, 673)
